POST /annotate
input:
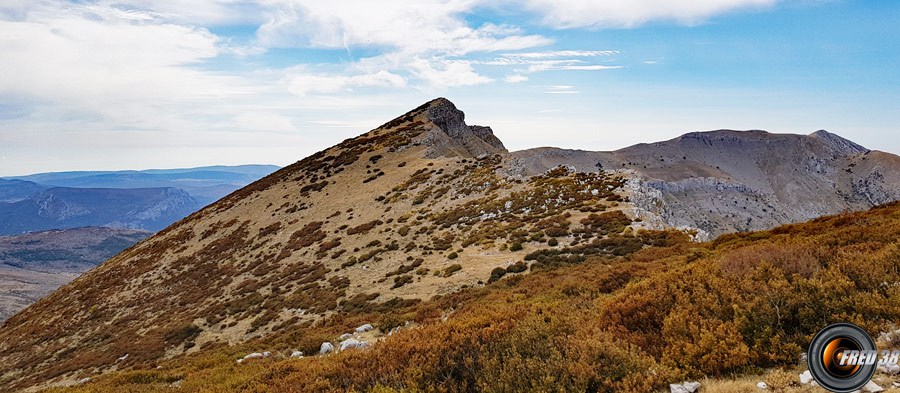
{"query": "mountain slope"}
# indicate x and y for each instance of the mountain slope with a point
(34, 264)
(60, 208)
(726, 181)
(420, 208)
(409, 210)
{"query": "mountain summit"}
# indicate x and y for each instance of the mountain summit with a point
(416, 209)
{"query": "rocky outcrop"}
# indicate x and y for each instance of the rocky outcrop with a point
(452, 137)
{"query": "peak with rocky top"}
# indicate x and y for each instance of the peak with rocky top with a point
(461, 139)
(839, 143)
(424, 205)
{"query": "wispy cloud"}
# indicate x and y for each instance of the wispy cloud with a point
(561, 89)
(515, 78)
(567, 14)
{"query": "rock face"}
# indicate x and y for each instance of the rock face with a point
(455, 138)
(736, 181)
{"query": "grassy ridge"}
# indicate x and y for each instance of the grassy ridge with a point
(608, 323)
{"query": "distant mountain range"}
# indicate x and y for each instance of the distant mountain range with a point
(207, 184)
(150, 199)
(34, 264)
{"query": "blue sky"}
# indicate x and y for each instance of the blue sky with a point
(130, 84)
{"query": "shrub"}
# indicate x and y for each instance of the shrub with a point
(496, 274)
(452, 269)
(400, 281)
(517, 267)
(515, 246)
(453, 255)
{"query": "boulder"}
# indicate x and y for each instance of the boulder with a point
(326, 347)
(872, 387)
(806, 377)
(762, 385)
(296, 354)
(353, 343)
(686, 387)
(890, 369)
(364, 328)
(345, 336)
(255, 355)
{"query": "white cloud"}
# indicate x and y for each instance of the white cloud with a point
(301, 83)
(515, 78)
(561, 89)
(428, 26)
(630, 13)
(561, 53)
(571, 60)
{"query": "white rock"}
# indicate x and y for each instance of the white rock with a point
(872, 387)
(82, 380)
(687, 387)
(326, 347)
(806, 377)
(353, 343)
(890, 369)
(267, 354)
(896, 384)
(296, 354)
(345, 336)
(254, 355)
(364, 328)
(122, 358)
(762, 385)
(692, 386)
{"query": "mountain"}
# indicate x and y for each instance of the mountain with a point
(17, 190)
(207, 184)
(429, 220)
(34, 264)
(61, 208)
(725, 181)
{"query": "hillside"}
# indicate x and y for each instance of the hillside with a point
(737, 181)
(62, 208)
(34, 264)
(734, 310)
(414, 220)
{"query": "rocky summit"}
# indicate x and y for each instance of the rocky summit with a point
(418, 209)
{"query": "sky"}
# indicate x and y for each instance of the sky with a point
(131, 84)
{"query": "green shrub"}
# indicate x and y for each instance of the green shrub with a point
(497, 274)
(517, 267)
(452, 269)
